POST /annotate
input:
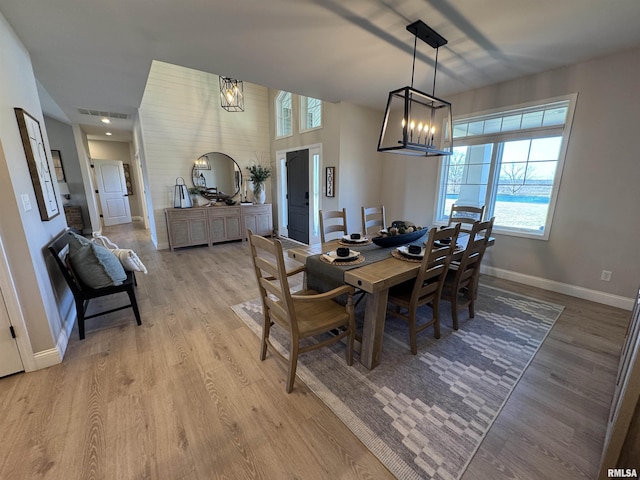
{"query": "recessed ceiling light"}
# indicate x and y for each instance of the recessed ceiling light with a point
(105, 120)
(109, 134)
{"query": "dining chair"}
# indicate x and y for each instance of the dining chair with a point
(301, 314)
(331, 222)
(426, 288)
(461, 283)
(373, 220)
(467, 215)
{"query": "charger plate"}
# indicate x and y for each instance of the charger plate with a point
(399, 256)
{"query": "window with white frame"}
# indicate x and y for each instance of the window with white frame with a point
(283, 114)
(310, 113)
(511, 162)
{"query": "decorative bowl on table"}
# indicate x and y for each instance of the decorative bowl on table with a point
(399, 239)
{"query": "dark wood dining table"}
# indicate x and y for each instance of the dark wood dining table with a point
(375, 279)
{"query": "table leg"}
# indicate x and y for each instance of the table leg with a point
(373, 329)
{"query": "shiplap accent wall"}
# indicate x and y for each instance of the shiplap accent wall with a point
(181, 119)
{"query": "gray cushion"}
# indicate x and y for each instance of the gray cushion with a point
(94, 265)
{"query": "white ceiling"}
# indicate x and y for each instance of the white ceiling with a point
(96, 54)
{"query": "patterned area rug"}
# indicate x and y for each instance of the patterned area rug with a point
(424, 416)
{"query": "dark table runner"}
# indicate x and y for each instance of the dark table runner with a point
(322, 276)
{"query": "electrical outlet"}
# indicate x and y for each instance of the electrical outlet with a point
(605, 276)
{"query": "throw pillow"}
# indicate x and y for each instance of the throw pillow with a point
(129, 259)
(94, 265)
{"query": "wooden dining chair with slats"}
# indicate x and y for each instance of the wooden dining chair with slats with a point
(461, 283)
(373, 220)
(426, 288)
(332, 222)
(466, 215)
(301, 314)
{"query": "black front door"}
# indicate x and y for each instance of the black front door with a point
(298, 195)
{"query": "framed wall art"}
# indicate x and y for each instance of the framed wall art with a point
(57, 165)
(38, 163)
(127, 178)
(330, 180)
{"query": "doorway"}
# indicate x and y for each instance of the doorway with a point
(112, 188)
(10, 350)
(298, 195)
(10, 361)
(308, 185)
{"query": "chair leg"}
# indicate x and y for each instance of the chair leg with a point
(80, 315)
(435, 307)
(352, 330)
(472, 296)
(266, 327)
(134, 304)
(293, 364)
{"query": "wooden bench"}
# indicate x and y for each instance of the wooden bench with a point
(83, 294)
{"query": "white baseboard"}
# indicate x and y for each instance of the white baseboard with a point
(53, 356)
(137, 219)
(47, 358)
(564, 288)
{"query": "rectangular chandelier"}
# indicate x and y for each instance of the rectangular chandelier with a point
(416, 123)
(231, 94)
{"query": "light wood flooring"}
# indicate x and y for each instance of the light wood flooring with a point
(184, 396)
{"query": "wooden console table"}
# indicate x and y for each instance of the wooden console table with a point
(188, 227)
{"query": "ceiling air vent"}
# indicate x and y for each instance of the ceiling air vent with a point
(99, 113)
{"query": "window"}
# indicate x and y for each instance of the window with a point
(283, 115)
(310, 113)
(510, 161)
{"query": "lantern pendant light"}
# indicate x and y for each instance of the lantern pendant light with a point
(231, 94)
(416, 123)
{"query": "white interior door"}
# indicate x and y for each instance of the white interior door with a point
(112, 189)
(10, 361)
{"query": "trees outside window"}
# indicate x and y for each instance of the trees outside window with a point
(511, 162)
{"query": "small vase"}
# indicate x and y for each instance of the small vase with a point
(259, 195)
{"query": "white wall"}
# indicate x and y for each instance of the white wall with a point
(61, 138)
(360, 177)
(349, 137)
(596, 225)
(180, 118)
(23, 233)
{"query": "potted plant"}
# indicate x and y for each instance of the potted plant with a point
(194, 192)
(258, 174)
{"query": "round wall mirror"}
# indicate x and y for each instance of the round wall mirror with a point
(217, 175)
